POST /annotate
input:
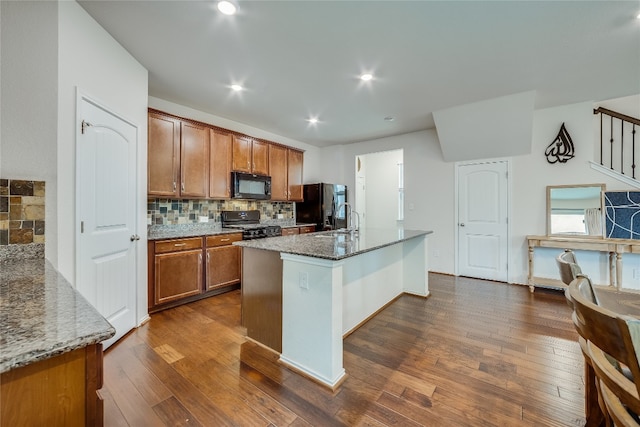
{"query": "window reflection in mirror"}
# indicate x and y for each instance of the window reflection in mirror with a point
(575, 210)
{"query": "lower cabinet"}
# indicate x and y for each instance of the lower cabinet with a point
(224, 261)
(183, 270)
(290, 231)
(60, 391)
(307, 229)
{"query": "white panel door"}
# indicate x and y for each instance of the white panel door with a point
(482, 221)
(107, 238)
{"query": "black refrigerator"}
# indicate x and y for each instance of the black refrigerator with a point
(320, 206)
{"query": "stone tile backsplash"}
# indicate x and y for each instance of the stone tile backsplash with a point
(176, 211)
(22, 218)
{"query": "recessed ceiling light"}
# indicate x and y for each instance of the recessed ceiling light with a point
(389, 119)
(236, 88)
(313, 120)
(226, 7)
(366, 77)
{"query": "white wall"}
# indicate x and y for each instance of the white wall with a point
(428, 183)
(29, 87)
(429, 187)
(311, 168)
(90, 60)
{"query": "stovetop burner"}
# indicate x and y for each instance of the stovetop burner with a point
(249, 223)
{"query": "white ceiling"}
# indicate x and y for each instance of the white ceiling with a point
(299, 59)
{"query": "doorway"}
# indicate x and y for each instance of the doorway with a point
(482, 226)
(379, 193)
(106, 212)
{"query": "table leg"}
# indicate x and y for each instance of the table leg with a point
(530, 278)
(612, 263)
(618, 270)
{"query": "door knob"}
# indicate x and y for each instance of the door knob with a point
(134, 237)
(461, 224)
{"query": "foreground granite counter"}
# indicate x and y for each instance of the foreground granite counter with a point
(42, 315)
(334, 245)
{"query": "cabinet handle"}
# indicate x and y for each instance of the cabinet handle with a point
(182, 186)
(224, 240)
(180, 244)
(174, 186)
(208, 257)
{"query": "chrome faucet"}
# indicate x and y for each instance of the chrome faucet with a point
(349, 216)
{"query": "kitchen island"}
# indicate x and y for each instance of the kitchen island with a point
(302, 294)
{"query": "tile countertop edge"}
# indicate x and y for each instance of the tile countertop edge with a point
(287, 244)
(28, 335)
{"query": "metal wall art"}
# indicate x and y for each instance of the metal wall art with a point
(561, 149)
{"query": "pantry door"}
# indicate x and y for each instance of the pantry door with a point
(482, 220)
(106, 214)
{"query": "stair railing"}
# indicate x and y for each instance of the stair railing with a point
(614, 127)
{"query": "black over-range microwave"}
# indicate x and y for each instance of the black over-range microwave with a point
(250, 186)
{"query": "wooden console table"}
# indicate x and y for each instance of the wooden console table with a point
(615, 248)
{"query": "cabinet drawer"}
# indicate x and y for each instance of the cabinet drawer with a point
(164, 246)
(223, 239)
(290, 231)
(307, 229)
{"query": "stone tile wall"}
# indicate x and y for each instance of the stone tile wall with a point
(175, 211)
(22, 218)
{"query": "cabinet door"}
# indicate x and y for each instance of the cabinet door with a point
(223, 266)
(241, 154)
(294, 178)
(278, 168)
(260, 158)
(163, 163)
(194, 161)
(177, 275)
(220, 165)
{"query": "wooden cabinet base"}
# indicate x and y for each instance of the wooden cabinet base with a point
(60, 391)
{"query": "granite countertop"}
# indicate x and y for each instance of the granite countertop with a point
(42, 315)
(160, 232)
(333, 245)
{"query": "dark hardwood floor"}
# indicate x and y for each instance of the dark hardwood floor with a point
(476, 353)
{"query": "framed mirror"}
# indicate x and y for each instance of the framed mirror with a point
(575, 210)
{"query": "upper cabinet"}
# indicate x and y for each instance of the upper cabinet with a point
(163, 155)
(194, 160)
(295, 160)
(220, 165)
(178, 158)
(189, 159)
(285, 166)
(250, 155)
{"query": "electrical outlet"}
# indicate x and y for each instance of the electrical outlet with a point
(436, 253)
(303, 278)
(636, 274)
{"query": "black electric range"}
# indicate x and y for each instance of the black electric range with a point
(249, 223)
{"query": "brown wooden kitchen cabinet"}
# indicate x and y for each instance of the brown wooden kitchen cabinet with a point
(220, 165)
(178, 271)
(163, 155)
(285, 167)
(250, 155)
(224, 262)
(178, 158)
(184, 270)
(290, 231)
(295, 159)
(60, 391)
(307, 229)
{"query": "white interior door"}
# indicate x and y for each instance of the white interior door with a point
(106, 206)
(482, 220)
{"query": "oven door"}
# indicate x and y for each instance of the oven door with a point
(250, 186)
